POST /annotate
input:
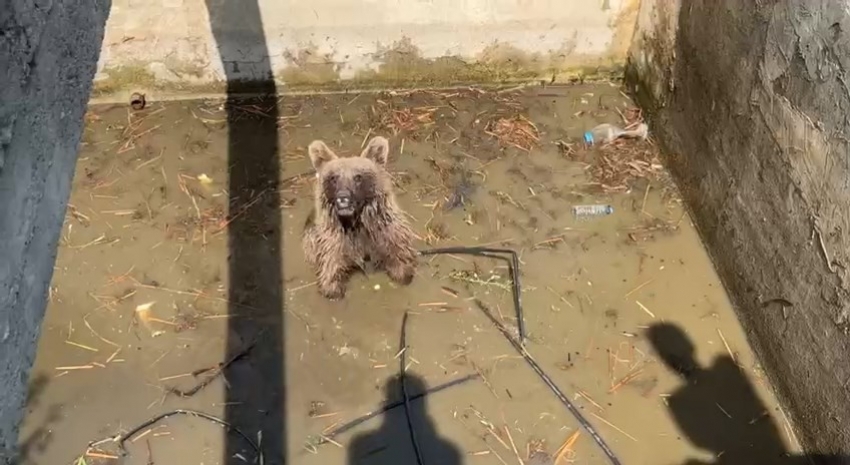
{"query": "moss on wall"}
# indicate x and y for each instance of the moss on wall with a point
(399, 65)
(139, 77)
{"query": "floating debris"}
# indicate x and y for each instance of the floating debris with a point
(592, 210)
(518, 132)
(137, 101)
(204, 179)
(606, 133)
(617, 167)
(385, 117)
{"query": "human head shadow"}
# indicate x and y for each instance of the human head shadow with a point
(31, 445)
(256, 392)
(390, 444)
(717, 408)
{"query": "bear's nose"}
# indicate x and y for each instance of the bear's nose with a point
(343, 200)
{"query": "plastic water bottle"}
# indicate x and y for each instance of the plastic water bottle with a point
(592, 210)
(606, 133)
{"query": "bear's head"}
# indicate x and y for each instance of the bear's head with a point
(347, 184)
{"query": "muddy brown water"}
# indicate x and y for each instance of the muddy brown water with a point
(139, 295)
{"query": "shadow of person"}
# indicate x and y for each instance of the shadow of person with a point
(390, 444)
(716, 407)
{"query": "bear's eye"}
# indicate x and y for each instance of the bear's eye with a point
(332, 178)
(358, 178)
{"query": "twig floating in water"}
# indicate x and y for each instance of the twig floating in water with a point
(125, 437)
(513, 265)
(217, 371)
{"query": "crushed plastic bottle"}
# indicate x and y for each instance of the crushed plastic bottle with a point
(592, 210)
(606, 133)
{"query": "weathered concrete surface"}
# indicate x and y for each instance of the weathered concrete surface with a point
(750, 99)
(167, 46)
(48, 54)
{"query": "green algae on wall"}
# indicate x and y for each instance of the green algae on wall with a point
(402, 65)
(139, 77)
(399, 65)
(123, 78)
(308, 67)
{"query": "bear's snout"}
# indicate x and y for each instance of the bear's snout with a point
(343, 202)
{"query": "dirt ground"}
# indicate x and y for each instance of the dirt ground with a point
(167, 266)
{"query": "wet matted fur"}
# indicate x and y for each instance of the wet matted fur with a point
(355, 219)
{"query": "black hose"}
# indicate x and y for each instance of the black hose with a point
(513, 266)
(325, 438)
(520, 345)
(403, 379)
(552, 386)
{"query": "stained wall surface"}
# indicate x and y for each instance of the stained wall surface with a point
(166, 46)
(48, 56)
(751, 104)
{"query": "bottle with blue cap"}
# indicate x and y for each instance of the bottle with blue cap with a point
(606, 133)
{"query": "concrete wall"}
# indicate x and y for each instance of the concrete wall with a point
(166, 46)
(750, 100)
(48, 53)
(50, 50)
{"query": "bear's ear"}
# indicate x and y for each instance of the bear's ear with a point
(378, 150)
(320, 154)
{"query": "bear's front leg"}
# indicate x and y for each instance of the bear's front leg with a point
(401, 270)
(332, 279)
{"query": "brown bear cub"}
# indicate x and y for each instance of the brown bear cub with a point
(356, 219)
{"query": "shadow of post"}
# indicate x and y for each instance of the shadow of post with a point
(256, 393)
